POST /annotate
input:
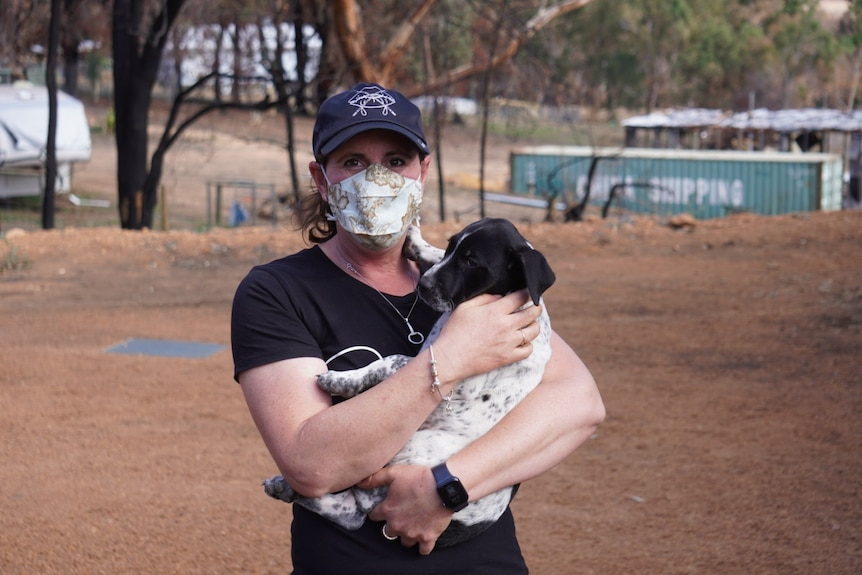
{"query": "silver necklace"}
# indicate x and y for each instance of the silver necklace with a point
(414, 337)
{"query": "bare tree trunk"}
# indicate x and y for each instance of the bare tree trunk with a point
(856, 66)
(349, 30)
(219, 39)
(136, 64)
(486, 105)
(438, 119)
(327, 72)
(71, 60)
(301, 50)
(51, 151)
(131, 106)
(274, 63)
(70, 39)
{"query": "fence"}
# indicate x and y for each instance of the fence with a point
(243, 207)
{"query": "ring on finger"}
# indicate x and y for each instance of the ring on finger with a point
(388, 536)
(523, 337)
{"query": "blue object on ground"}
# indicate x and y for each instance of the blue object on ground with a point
(165, 348)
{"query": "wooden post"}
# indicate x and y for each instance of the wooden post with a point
(164, 204)
(218, 206)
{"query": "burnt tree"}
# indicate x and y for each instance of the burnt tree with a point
(137, 56)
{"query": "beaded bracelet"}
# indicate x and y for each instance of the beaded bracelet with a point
(435, 384)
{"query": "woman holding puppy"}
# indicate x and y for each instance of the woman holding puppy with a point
(350, 299)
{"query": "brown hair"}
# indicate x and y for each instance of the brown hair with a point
(313, 217)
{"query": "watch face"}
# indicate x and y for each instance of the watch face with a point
(454, 495)
(450, 489)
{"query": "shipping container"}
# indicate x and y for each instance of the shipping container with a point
(705, 184)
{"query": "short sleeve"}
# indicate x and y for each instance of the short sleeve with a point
(266, 324)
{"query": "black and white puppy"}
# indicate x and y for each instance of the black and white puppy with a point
(488, 256)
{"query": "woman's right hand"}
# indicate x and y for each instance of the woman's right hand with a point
(412, 507)
(485, 333)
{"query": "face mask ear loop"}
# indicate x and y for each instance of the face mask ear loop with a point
(325, 177)
(329, 215)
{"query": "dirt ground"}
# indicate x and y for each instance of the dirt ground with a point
(728, 355)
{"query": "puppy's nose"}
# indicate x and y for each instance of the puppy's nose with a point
(425, 283)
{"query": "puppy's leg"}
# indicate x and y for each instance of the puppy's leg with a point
(353, 382)
(420, 251)
(345, 384)
(348, 508)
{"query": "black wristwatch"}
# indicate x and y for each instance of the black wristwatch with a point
(450, 489)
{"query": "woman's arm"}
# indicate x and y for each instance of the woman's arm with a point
(545, 427)
(542, 430)
(322, 448)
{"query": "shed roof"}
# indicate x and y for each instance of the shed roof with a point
(789, 120)
(677, 118)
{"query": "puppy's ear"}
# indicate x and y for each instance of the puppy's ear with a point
(537, 272)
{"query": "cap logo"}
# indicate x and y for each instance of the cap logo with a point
(372, 98)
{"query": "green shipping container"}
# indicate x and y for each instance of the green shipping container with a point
(705, 184)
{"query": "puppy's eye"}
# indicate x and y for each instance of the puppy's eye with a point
(469, 261)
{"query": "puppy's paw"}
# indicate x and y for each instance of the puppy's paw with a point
(353, 382)
(420, 251)
(278, 488)
(414, 238)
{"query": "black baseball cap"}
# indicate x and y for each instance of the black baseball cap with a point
(365, 107)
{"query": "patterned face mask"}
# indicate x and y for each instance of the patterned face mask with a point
(376, 205)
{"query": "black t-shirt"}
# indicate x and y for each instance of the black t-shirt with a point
(303, 305)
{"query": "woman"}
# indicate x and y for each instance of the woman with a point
(351, 299)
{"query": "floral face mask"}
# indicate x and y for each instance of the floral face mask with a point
(376, 205)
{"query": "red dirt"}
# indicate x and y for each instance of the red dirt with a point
(727, 355)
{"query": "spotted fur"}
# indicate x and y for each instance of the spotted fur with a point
(488, 256)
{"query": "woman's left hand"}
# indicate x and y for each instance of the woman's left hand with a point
(412, 510)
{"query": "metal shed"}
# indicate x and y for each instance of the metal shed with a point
(706, 184)
(759, 129)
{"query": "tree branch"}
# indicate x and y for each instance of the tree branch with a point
(541, 19)
(352, 42)
(395, 48)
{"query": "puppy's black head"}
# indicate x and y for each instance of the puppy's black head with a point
(488, 256)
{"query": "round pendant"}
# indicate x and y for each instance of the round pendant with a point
(415, 337)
